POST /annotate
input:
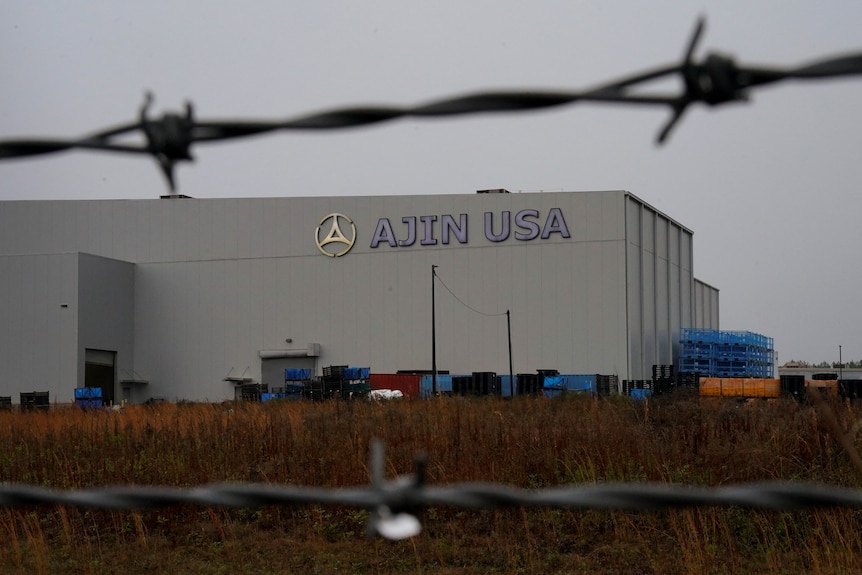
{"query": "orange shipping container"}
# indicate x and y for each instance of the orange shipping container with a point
(739, 387)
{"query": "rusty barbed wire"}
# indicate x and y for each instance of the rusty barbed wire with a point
(395, 505)
(714, 81)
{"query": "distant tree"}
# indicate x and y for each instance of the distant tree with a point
(823, 364)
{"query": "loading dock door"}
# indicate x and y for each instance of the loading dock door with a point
(100, 371)
(272, 370)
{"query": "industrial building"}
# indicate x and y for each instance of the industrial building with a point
(184, 299)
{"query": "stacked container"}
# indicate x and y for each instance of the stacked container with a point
(582, 383)
(662, 379)
(740, 387)
(35, 400)
(88, 397)
(294, 382)
(726, 354)
(356, 382)
(607, 384)
(793, 386)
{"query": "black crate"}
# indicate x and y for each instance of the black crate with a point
(662, 371)
(606, 384)
(850, 388)
(485, 383)
(793, 386)
(334, 371)
(6, 402)
(313, 390)
(462, 385)
(528, 384)
(253, 391)
(35, 400)
(688, 380)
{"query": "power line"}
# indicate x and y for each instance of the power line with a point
(465, 304)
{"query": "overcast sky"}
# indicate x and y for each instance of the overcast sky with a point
(769, 187)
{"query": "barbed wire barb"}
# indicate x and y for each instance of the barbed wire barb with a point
(717, 80)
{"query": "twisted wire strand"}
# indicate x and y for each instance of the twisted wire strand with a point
(716, 80)
(394, 505)
(777, 496)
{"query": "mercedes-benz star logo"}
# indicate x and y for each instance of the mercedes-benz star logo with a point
(335, 235)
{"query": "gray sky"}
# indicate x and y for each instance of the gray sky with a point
(770, 187)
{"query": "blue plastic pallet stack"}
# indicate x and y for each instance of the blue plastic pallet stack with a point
(715, 353)
(583, 383)
(356, 382)
(294, 382)
(88, 397)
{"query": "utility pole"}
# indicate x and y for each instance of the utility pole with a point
(433, 334)
(511, 376)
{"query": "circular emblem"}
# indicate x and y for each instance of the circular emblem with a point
(340, 244)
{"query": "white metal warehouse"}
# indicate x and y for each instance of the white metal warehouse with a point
(184, 298)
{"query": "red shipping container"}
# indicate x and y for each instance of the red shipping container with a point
(406, 383)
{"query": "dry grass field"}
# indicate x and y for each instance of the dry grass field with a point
(525, 442)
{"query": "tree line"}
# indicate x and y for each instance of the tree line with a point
(826, 364)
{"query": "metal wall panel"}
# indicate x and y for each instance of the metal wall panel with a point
(660, 286)
(38, 324)
(217, 281)
(706, 306)
(106, 291)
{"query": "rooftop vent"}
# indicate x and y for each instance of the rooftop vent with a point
(494, 191)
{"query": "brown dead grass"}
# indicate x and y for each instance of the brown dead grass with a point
(524, 442)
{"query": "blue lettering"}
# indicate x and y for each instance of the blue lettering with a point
(447, 222)
(411, 232)
(555, 224)
(428, 240)
(383, 233)
(489, 227)
(522, 222)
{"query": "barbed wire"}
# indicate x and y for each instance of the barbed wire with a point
(715, 80)
(395, 505)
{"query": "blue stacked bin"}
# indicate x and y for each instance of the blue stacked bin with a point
(88, 397)
(715, 353)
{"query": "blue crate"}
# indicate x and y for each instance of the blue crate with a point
(355, 373)
(89, 403)
(426, 383)
(701, 335)
(297, 374)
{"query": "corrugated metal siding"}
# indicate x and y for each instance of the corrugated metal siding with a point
(38, 337)
(218, 280)
(409, 384)
(706, 306)
(659, 282)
